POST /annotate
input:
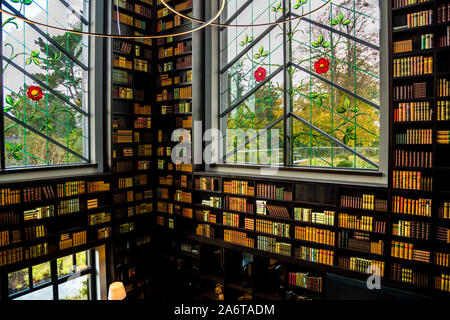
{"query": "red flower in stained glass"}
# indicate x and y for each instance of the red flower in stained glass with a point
(260, 74)
(322, 65)
(35, 93)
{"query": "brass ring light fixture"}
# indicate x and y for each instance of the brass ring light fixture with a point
(245, 25)
(100, 35)
(203, 25)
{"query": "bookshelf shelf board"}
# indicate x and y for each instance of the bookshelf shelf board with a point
(365, 254)
(210, 223)
(313, 224)
(415, 29)
(239, 287)
(363, 211)
(208, 191)
(258, 233)
(268, 296)
(294, 287)
(410, 217)
(413, 53)
(200, 206)
(413, 169)
(239, 212)
(413, 100)
(362, 231)
(412, 6)
(410, 262)
(314, 244)
(414, 123)
(317, 204)
(273, 199)
(262, 216)
(216, 278)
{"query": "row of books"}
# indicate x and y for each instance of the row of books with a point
(31, 194)
(271, 245)
(442, 282)
(277, 211)
(215, 202)
(71, 188)
(443, 88)
(122, 77)
(304, 280)
(142, 109)
(443, 13)
(416, 90)
(311, 234)
(443, 111)
(204, 183)
(122, 166)
(275, 228)
(230, 219)
(238, 204)
(272, 191)
(443, 136)
(204, 230)
(184, 62)
(403, 3)
(183, 196)
(9, 218)
(418, 207)
(99, 218)
(427, 41)
(413, 111)
(418, 19)
(238, 187)
(39, 213)
(68, 241)
(69, 206)
(8, 197)
(182, 93)
(398, 272)
(123, 62)
(122, 46)
(205, 215)
(403, 250)
(442, 259)
(402, 46)
(443, 212)
(413, 66)
(444, 40)
(315, 255)
(414, 136)
(35, 232)
(365, 202)
(308, 215)
(98, 186)
(442, 234)
(362, 223)
(413, 159)
(362, 265)
(411, 180)
(360, 242)
(412, 229)
(238, 237)
(178, 108)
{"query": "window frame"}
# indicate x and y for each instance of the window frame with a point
(56, 281)
(94, 119)
(215, 120)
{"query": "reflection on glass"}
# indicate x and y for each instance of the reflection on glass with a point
(41, 273)
(18, 281)
(77, 289)
(65, 266)
(42, 294)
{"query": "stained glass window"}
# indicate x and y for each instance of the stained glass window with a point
(45, 84)
(307, 90)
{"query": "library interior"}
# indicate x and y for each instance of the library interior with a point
(237, 150)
